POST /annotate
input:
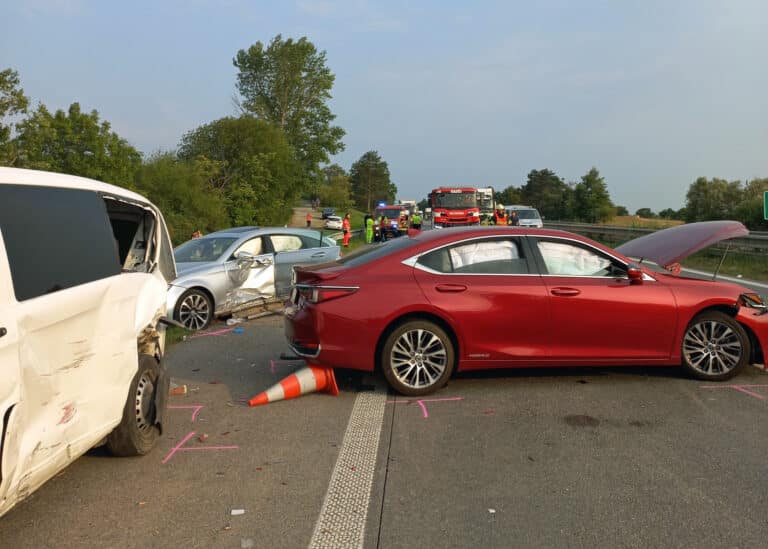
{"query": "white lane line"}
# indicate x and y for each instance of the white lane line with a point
(342, 519)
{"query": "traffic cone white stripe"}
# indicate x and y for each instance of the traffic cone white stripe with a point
(275, 392)
(307, 380)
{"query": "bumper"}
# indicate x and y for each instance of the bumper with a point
(758, 324)
(173, 295)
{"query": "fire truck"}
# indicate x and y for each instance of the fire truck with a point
(454, 206)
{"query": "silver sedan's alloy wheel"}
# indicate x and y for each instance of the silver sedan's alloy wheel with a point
(418, 358)
(194, 311)
(712, 348)
(145, 394)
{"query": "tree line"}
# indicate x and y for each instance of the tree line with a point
(246, 169)
(589, 201)
(252, 167)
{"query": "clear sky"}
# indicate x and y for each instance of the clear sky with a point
(652, 93)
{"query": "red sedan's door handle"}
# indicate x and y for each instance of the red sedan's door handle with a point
(455, 288)
(565, 291)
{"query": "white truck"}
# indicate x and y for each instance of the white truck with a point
(486, 203)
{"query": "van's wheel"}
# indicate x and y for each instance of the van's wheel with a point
(417, 358)
(715, 347)
(194, 309)
(137, 433)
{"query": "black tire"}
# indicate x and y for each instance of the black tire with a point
(715, 347)
(417, 358)
(194, 309)
(137, 433)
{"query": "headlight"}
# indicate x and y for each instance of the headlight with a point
(753, 301)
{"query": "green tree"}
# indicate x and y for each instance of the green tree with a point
(12, 102)
(76, 143)
(592, 203)
(288, 84)
(252, 164)
(370, 182)
(622, 210)
(709, 200)
(646, 213)
(510, 195)
(548, 193)
(183, 193)
(750, 210)
(335, 188)
(668, 213)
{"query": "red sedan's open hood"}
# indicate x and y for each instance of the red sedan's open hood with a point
(669, 246)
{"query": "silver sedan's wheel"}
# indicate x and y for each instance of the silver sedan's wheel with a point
(715, 346)
(417, 358)
(194, 309)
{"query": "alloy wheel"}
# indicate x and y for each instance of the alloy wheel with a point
(418, 358)
(712, 347)
(194, 311)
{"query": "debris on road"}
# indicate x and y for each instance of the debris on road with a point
(203, 437)
(177, 390)
(237, 512)
(232, 321)
(238, 331)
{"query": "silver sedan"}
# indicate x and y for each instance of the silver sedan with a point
(227, 268)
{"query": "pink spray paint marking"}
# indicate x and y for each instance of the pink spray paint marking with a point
(180, 447)
(216, 333)
(273, 363)
(741, 388)
(421, 401)
(195, 407)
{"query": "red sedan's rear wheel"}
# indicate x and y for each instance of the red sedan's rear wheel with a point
(417, 358)
(715, 346)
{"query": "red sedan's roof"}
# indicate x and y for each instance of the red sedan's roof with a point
(669, 246)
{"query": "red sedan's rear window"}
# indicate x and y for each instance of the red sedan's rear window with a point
(361, 256)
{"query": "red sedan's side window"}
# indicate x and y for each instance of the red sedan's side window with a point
(491, 256)
(563, 259)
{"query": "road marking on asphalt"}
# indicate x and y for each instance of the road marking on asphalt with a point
(342, 519)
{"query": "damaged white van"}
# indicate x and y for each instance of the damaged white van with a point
(84, 271)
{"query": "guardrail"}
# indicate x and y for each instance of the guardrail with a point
(755, 243)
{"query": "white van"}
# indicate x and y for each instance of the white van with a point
(84, 271)
(528, 216)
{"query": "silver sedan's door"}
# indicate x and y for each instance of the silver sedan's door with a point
(293, 250)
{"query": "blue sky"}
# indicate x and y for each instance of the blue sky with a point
(652, 93)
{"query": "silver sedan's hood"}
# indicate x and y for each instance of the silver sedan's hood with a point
(192, 268)
(669, 246)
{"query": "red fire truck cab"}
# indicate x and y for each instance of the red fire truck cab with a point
(454, 206)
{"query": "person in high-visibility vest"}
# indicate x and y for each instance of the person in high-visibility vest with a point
(369, 230)
(416, 221)
(309, 219)
(346, 228)
(499, 215)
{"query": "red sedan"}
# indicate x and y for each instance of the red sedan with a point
(478, 298)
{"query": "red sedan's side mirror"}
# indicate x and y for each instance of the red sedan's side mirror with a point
(635, 274)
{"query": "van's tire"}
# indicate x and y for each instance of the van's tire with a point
(137, 432)
(715, 347)
(417, 358)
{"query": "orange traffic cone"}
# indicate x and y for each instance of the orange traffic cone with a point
(307, 380)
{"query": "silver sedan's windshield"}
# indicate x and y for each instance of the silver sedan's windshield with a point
(201, 250)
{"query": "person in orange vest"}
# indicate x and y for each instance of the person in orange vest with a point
(346, 228)
(499, 215)
(309, 220)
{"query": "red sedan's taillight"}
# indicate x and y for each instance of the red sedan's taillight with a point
(318, 294)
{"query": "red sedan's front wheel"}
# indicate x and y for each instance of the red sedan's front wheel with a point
(715, 346)
(417, 358)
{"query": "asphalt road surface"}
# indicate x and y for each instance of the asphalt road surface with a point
(603, 457)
